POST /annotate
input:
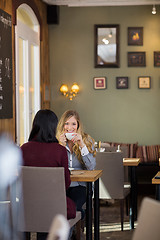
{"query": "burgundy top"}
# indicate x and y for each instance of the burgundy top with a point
(40, 154)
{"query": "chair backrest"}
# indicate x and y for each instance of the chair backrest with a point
(112, 180)
(125, 153)
(44, 196)
(113, 149)
(148, 221)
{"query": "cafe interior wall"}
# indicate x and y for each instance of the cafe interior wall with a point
(121, 115)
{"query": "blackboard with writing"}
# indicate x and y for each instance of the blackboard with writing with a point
(6, 87)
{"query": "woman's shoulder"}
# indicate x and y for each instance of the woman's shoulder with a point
(43, 144)
(59, 146)
(41, 147)
(24, 145)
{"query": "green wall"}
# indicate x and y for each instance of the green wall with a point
(123, 115)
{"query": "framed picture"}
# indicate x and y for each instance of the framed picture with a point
(99, 83)
(121, 82)
(136, 59)
(106, 45)
(157, 59)
(135, 36)
(144, 82)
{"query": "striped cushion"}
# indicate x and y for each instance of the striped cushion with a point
(141, 153)
(153, 153)
(145, 153)
(148, 153)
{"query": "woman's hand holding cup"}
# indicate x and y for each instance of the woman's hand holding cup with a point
(63, 139)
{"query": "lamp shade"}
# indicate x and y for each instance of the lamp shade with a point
(154, 10)
(64, 88)
(75, 88)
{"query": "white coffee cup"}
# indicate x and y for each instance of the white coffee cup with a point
(69, 135)
(71, 168)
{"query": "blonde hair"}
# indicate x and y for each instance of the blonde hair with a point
(87, 139)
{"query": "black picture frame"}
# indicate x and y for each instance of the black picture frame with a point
(156, 58)
(135, 36)
(144, 82)
(99, 83)
(136, 59)
(122, 82)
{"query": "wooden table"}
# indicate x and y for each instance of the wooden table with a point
(132, 163)
(157, 182)
(89, 177)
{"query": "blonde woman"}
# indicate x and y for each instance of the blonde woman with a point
(80, 150)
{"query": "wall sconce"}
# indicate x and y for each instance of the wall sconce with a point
(70, 94)
(154, 10)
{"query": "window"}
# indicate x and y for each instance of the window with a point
(27, 71)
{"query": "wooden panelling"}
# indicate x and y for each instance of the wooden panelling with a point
(44, 54)
(8, 125)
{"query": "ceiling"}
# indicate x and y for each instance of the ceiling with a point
(85, 3)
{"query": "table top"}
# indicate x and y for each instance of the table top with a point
(85, 175)
(154, 180)
(131, 161)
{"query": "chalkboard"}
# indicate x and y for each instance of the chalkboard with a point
(6, 86)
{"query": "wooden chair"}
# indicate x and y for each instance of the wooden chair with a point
(112, 181)
(148, 221)
(44, 196)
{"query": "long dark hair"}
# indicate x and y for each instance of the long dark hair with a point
(44, 127)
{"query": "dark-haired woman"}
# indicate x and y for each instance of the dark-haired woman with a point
(43, 150)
